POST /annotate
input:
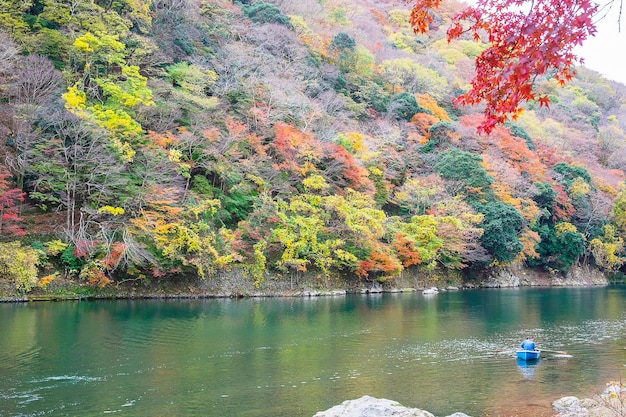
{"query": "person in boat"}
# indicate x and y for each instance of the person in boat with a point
(528, 344)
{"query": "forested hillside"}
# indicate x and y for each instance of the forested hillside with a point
(143, 139)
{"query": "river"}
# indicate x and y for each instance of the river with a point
(292, 357)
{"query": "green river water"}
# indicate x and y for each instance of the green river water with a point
(292, 357)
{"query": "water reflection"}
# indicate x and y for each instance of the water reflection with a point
(527, 368)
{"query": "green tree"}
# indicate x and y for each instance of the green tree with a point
(236, 200)
(608, 249)
(300, 231)
(355, 218)
(501, 225)
(619, 209)
(94, 16)
(545, 196)
(342, 42)
(261, 12)
(368, 91)
(11, 16)
(191, 84)
(568, 173)
(404, 106)
(463, 168)
(442, 132)
(404, 74)
(560, 247)
(180, 239)
(421, 231)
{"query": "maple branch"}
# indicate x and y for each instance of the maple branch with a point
(604, 10)
(522, 44)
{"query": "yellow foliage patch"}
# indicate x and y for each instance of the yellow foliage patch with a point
(564, 227)
(429, 103)
(45, 281)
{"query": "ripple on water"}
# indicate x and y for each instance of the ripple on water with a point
(21, 398)
(36, 388)
(452, 350)
(591, 332)
(559, 337)
(137, 335)
(74, 379)
(12, 360)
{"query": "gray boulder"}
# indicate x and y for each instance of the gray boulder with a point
(569, 405)
(605, 405)
(367, 406)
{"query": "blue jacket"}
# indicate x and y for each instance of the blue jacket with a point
(528, 345)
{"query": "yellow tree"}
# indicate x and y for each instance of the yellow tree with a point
(180, 238)
(608, 248)
(619, 209)
(108, 90)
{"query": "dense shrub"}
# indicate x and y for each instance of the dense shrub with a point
(260, 12)
(19, 264)
(500, 230)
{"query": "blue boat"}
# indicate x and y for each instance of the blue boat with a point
(528, 355)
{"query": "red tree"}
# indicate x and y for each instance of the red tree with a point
(526, 38)
(10, 198)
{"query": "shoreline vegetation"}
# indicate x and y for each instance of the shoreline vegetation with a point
(236, 284)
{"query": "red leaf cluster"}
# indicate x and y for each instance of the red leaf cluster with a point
(527, 38)
(114, 256)
(405, 250)
(292, 146)
(10, 199)
(83, 248)
(422, 15)
(563, 209)
(377, 262)
(349, 173)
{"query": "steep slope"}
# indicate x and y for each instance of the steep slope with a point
(188, 138)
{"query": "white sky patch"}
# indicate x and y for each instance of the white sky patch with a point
(606, 52)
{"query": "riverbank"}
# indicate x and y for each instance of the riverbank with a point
(235, 284)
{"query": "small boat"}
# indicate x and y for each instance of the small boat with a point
(431, 291)
(528, 355)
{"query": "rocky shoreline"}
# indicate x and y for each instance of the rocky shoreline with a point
(235, 284)
(611, 403)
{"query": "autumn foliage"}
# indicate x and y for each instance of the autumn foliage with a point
(275, 140)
